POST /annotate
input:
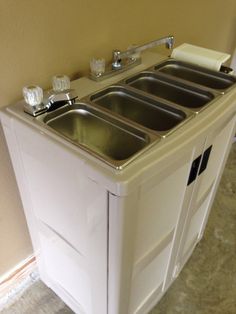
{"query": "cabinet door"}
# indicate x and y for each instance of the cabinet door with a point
(213, 158)
(71, 214)
(182, 222)
(141, 233)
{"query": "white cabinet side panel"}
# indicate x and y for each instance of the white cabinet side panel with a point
(74, 210)
(13, 147)
(122, 225)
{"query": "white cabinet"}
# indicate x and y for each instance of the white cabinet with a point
(107, 251)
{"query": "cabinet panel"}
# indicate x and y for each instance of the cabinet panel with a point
(71, 213)
(67, 268)
(219, 140)
(141, 232)
(195, 227)
(148, 282)
(213, 157)
(160, 204)
(182, 221)
(60, 192)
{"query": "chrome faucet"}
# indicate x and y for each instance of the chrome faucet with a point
(61, 92)
(38, 102)
(118, 56)
(124, 60)
(68, 96)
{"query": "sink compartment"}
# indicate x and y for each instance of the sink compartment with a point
(199, 75)
(171, 90)
(148, 112)
(112, 141)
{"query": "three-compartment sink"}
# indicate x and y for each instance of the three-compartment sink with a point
(202, 76)
(111, 140)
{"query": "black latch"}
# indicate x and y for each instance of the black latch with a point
(194, 169)
(205, 159)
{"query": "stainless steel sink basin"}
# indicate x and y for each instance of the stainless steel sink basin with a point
(111, 140)
(195, 74)
(171, 90)
(148, 112)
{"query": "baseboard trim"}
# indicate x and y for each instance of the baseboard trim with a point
(17, 280)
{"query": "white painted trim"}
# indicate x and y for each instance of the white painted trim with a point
(6, 276)
(16, 280)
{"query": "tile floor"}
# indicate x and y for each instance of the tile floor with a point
(206, 285)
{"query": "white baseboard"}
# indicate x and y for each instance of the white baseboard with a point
(15, 281)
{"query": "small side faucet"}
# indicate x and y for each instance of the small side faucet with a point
(36, 102)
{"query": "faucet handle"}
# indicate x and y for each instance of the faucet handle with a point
(33, 95)
(60, 83)
(97, 66)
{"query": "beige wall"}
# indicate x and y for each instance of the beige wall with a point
(41, 38)
(15, 244)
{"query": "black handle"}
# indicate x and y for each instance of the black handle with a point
(194, 169)
(205, 159)
(200, 162)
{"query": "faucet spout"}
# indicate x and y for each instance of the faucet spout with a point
(56, 99)
(118, 55)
